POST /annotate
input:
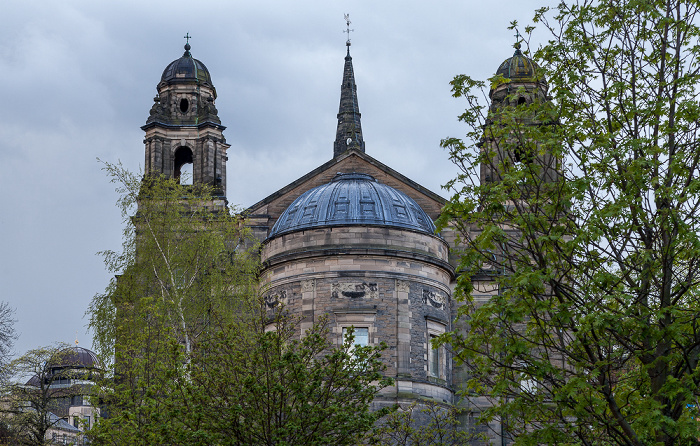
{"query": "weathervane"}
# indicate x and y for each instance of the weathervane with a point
(348, 30)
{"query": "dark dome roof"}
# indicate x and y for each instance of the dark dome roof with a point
(353, 199)
(186, 69)
(77, 357)
(68, 358)
(518, 67)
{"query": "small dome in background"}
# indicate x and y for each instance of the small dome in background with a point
(353, 199)
(70, 358)
(186, 69)
(518, 67)
(77, 357)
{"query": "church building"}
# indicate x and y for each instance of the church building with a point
(352, 240)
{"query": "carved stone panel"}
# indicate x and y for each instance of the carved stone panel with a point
(275, 298)
(307, 286)
(434, 298)
(354, 290)
(403, 286)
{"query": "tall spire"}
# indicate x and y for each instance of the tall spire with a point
(349, 132)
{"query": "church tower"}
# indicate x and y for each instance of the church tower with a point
(512, 134)
(183, 130)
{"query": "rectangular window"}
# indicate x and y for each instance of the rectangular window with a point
(361, 335)
(433, 357)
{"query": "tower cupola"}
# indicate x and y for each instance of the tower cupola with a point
(184, 136)
(517, 120)
(518, 67)
(187, 69)
(518, 71)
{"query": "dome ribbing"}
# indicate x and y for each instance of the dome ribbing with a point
(353, 199)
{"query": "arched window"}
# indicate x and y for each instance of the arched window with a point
(522, 154)
(183, 165)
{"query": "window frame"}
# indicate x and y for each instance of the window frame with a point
(435, 357)
(344, 330)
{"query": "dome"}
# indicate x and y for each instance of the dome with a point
(353, 199)
(70, 358)
(77, 357)
(518, 67)
(186, 69)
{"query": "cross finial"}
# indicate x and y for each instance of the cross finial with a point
(348, 30)
(518, 38)
(187, 46)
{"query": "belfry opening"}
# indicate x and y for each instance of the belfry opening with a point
(183, 165)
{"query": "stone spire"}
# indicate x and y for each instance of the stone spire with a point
(349, 132)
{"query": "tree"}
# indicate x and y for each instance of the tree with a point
(32, 404)
(253, 382)
(258, 383)
(179, 274)
(594, 333)
(421, 424)
(7, 337)
(179, 265)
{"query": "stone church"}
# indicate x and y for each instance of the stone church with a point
(353, 239)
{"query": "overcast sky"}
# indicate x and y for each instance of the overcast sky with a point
(79, 79)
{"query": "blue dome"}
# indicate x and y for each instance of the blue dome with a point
(353, 199)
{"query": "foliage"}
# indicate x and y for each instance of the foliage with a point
(137, 396)
(7, 337)
(421, 424)
(269, 387)
(179, 266)
(179, 275)
(29, 409)
(249, 384)
(594, 333)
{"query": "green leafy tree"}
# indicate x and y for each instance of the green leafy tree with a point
(594, 333)
(178, 266)
(253, 382)
(8, 335)
(179, 276)
(421, 424)
(257, 382)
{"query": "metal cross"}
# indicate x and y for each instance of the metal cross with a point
(517, 35)
(348, 22)
(188, 37)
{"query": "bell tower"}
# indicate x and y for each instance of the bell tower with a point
(184, 136)
(516, 122)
